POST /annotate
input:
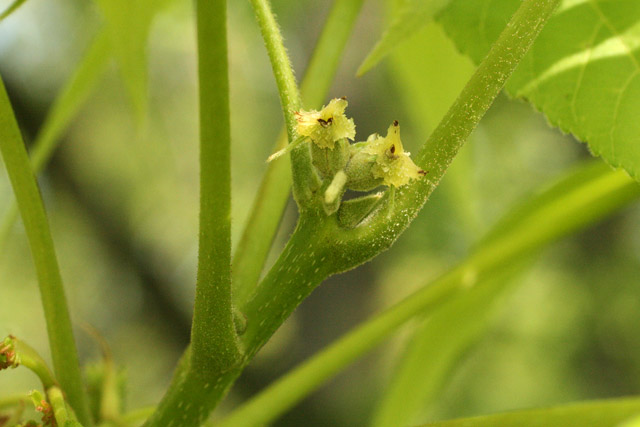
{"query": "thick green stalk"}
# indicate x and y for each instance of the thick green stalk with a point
(300, 268)
(64, 108)
(210, 365)
(27, 193)
(272, 196)
(213, 336)
(586, 196)
(191, 396)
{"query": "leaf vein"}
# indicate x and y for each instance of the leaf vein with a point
(616, 109)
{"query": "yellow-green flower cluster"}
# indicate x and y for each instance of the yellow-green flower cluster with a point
(343, 166)
(326, 126)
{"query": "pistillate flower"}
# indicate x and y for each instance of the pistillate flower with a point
(392, 164)
(326, 126)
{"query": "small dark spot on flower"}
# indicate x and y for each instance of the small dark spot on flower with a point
(395, 123)
(393, 149)
(325, 123)
(423, 173)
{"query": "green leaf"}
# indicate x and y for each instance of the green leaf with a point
(595, 413)
(128, 23)
(412, 15)
(582, 72)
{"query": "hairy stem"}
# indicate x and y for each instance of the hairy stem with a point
(213, 337)
(584, 197)
(305, 180)
(272, 196)
(214, 350)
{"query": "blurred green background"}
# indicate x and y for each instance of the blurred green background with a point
(122, 197)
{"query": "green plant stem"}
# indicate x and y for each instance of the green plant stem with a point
(272, 196)
(586, 196)
(285, 79)
(213, 336)
(297, 271)
(10, 9)
(30, 359)
(27, 193)
(214, 351)
(56, 398)
(191, 396)
(610, 412)
(65, 107)
(305, 180)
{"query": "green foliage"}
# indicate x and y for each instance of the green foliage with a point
(583, 80)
